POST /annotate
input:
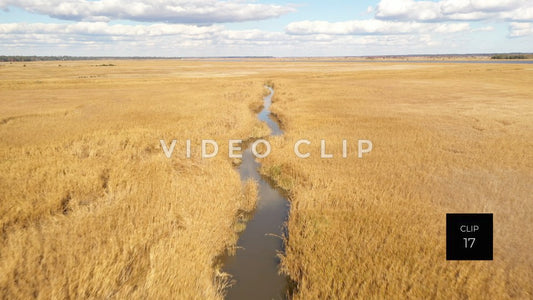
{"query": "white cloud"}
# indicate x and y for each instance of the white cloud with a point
(376, 27)
(407, 10)
(102, 28)
(170, 11)
(468, 6)
(455, 10)
(524, 14)
(520, 29)
(100, 38)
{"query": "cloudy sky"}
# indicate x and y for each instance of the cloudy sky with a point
(261, 27)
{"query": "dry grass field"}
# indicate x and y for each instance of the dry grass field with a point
(89, 204)
(91, 207)
(447, 138)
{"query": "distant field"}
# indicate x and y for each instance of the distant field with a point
(91, 207)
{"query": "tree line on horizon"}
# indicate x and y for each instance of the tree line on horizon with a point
(25, 58)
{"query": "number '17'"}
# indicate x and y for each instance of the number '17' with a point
(469, 242)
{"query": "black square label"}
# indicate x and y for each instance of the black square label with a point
(468, 236)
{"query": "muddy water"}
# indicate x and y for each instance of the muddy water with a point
(265, 115)
(255, 265)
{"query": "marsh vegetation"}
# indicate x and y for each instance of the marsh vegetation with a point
(90, 206)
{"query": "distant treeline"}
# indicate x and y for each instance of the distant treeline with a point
(21, 58)
(511, 56)
(15, 58)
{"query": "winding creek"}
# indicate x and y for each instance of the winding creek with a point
(255, 264)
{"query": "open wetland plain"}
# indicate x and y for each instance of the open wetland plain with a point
(92, 205)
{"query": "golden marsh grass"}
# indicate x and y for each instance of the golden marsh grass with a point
(447, 138)
(91, 207)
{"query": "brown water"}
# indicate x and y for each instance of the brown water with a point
(255, 265)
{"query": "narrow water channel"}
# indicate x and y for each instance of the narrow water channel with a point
(255, 264)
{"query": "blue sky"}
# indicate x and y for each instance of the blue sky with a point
(276, 28)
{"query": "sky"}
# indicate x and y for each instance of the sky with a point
(192, 28)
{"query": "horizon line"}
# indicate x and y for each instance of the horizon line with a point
(258, 56)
